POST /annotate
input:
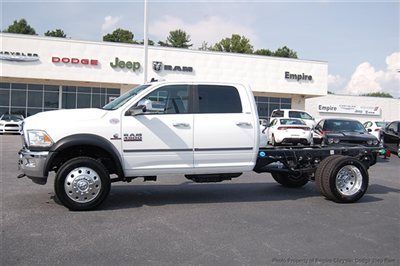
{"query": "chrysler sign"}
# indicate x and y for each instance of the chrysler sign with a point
(18, 56)
(349, 109)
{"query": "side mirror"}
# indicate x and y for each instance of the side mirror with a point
(142, 106)
(369, 130)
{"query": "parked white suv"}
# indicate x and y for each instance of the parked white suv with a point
(292, 113)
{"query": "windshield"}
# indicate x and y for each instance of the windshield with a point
(292, 122)
(12, 117)
(343, 125)
(381, 124)
(121, 100)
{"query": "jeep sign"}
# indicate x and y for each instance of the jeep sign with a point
(125, 64)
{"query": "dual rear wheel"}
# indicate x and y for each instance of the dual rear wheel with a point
(339, 178)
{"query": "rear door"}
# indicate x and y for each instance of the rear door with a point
(224, 130)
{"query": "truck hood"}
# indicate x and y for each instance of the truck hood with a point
(64, 116)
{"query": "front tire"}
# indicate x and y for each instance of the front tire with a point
(82, 184)
(291, 181)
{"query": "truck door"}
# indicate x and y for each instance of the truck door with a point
(224, 130)
(160, 140)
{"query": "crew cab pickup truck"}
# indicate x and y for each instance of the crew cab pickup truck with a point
(208, 132)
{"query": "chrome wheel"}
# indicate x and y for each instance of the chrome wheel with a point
(348, 180)
(82, 184)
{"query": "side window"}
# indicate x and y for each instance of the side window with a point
(219, 99)
(171, 99)
(277, 113)
(368, 124)
(301, 115)
(393, 126)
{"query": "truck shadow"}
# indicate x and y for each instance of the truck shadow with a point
(123, 197)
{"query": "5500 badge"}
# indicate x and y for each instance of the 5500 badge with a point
(133, 137)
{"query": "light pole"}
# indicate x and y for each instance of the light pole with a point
(145, 43)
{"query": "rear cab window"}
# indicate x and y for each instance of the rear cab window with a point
(300, 115)
(218, 99)
(292, 122)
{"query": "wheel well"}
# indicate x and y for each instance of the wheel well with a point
(91, 151)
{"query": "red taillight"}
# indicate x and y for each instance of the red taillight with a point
(377, 129)
(306, 128)
(282, 128)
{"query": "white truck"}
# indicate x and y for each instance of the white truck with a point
(208, 132)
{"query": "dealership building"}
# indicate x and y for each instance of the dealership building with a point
(45, 73)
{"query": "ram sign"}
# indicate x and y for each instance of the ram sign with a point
(349, 109)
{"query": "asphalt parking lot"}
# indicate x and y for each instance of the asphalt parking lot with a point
(250, 220)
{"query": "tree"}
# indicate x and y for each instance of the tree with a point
(204, 46)
(234, 44)
(56, 33)
(119, 35)
(149, 42)
(378, 94)
(266, 52)
(285, 52)
(20, 27)
(163, 44)
(179, 38)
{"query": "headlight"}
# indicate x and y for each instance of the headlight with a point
(375, 142)
(39, 138)
(1, 124)
(369, 142)
(333, 140)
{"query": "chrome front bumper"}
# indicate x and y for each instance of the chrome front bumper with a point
(32, 164)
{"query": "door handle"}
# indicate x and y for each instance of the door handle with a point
(242, 124)
(181, 125)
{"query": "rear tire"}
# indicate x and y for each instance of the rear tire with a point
(344, 179)
(82, 184)
(320, 170)
(291, 181)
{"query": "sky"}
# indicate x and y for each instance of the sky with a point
(359, 40)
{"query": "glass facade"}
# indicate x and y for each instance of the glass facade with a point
(29, 99)
(266, 105)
